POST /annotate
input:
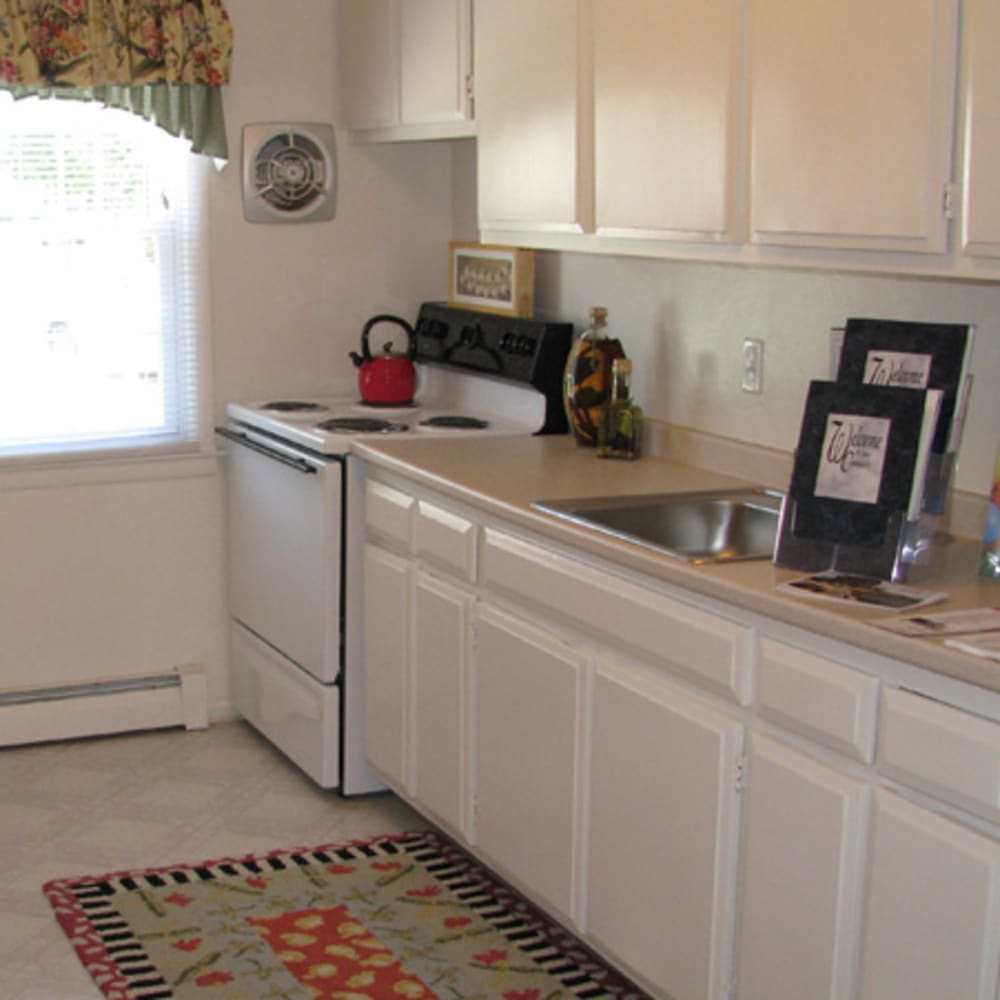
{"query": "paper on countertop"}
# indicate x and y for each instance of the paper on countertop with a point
(848, 588)
(944, 623)
(981, 644)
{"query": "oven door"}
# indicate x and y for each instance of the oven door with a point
(285, 549)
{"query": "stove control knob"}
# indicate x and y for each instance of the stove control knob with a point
(471, 335)
(435, 328)
(525, 345)
(508, 343)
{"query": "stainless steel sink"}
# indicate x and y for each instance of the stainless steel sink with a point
(706, 527)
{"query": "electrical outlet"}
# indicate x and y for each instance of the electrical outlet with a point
(753, 364)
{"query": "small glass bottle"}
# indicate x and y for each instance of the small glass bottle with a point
(619, 434)
(587, 379)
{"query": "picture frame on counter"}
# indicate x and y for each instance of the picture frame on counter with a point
(494, 279)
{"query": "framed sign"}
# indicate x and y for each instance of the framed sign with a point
(492, 278)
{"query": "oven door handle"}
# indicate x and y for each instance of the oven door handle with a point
(297, 463)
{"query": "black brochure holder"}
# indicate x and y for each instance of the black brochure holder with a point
(907, 540)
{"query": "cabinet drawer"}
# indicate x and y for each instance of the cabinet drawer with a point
(389, 512)
(445, 538)
(818, 698)
(703, 645)
(297, 714)
(943, 751)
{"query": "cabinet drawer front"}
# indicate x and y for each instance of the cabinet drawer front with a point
(819, 698)
(941, 750)
(389, 512)
(445, 537)
(700, 644)
(298, 715)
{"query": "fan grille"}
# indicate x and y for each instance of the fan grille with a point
(290, 172)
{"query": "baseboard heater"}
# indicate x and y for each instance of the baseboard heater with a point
(178, 697)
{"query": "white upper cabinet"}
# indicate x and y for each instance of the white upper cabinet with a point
(407, 68)
(666, 118)
(981, 216)
(750, 131)
(851, 122)
(533, 116)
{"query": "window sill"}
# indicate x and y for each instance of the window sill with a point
(32, 472)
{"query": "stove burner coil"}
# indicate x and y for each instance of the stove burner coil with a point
(457, 422)
(291, 406)
(360, 425)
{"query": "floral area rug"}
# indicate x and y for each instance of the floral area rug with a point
(402, 917)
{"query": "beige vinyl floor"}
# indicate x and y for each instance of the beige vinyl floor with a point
(140, 800)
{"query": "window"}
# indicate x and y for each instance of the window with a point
(98, 269)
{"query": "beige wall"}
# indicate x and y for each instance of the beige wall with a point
(110, 578)
(289, 301)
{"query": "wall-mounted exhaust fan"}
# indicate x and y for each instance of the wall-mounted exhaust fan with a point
(289, 172)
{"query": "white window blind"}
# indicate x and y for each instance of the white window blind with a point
(99, 242)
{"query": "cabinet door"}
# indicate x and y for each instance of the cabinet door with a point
(440, 640)
(535, 147)
(662, 824)
(369, 48)
(851, 117)
(803, 849)
(527, 696)
(932, 920)
(388, 582)
(666, 114)
(435, 46)
(407, 67)
(981, 231)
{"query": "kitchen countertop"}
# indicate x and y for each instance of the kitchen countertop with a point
(503, 476)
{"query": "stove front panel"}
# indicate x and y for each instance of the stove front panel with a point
(284, 528)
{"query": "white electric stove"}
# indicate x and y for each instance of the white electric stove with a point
(296, 522)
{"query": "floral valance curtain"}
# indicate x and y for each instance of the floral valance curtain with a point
(163, 59)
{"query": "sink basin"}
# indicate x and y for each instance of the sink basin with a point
(707, 527)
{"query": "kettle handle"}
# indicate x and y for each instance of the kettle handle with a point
(411, 337)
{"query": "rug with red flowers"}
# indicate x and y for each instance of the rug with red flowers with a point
(402, 917)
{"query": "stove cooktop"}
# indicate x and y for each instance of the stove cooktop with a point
(478, 373)
(329, 426)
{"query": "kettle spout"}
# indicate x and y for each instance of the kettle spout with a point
(357, 359)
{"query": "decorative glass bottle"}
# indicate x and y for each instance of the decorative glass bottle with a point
(587, 379)
(619, 433)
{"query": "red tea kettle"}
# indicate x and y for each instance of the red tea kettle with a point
(389, 379)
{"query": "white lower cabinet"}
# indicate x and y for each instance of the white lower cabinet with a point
(803, 864)
(662, 828)
(416, 655)
(525, 749)
(724, 806)
(932, 921)
(441, 616)
(388, 586)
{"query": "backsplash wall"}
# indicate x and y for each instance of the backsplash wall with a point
(684, 325)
